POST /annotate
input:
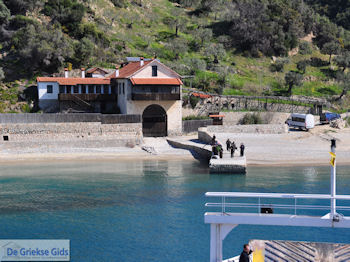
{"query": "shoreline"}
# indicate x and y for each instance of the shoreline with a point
(36, 158)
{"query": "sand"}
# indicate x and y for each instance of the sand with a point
(293, 148)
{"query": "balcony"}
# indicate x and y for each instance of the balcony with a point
(87, 97)
(156, 96)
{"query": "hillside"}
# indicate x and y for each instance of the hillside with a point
(244, 47)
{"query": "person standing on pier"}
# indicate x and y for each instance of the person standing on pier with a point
(213, 140)
(228, 144)
(246, 254)
(242, 149)
(233, 149)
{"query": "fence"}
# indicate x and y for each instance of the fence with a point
(68, 118)
(189, 126)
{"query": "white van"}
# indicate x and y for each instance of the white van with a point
(301, 121)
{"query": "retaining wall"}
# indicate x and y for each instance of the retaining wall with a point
(201, 153)
(205, 133)
(45, 132)
(189, 126)
(259, 129)
(68, 118)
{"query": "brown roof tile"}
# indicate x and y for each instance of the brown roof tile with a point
(75, 80)
(130, 69)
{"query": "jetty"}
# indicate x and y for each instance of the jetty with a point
(202, 151)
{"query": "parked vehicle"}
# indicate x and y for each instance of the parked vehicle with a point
(326, 118)
(301, 121)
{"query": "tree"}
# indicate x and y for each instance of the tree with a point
(202, 35)
(343, 60)
(83, 51)
(293, 79)
(215, 52)
(69, 13)
(301, 65)
(4, 13)
(2, 74)
(20, 7)
(175, 21)
(330, 48)
(344, 80)
(39, 48)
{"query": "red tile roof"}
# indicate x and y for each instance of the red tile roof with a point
(91, 70)
(216, 116)
(75, 80)
(203, 96)
(155, 81)
(129, 69)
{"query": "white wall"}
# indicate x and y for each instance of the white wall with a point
(42, 90)
(163, 72)
(172, 108)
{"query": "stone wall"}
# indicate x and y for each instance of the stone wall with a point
(205, 134)
(189, 126)
(131, 132)
(234, 118)
(258, 129)
(68, 118)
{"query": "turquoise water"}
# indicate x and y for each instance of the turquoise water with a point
(144, 210)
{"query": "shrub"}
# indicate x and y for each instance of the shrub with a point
(251, 119)
(301, 65)
(278, 66)
(194, 101)
(305, 48)
(317, 62)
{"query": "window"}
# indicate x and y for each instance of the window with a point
(76, 89)
(298, 119)
(154, 71)
(123, 88)
(91, 89)
(83, 89)
(106, 89)
(69, 89)
(98, 89)
(119, 88)
(62, 89)
(49, 89)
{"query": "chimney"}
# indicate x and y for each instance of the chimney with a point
(141, 61)
(83, 73)
(116, 71)
(66, 72)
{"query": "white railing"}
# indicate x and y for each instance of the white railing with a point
(229, 201)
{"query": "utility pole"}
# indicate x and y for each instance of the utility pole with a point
(334, 214)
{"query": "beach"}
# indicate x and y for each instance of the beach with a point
(292, 148)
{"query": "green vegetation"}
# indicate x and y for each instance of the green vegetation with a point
(240, 47)
(251, 119)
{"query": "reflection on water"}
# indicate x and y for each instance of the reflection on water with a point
(144, 210)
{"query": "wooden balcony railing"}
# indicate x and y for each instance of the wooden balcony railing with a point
(155, 96)
(87, 97)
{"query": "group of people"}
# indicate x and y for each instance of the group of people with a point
(230, 146)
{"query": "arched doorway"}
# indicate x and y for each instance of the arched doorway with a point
(154, 121)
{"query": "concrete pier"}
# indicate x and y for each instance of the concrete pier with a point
(228, 165)
(203, 152)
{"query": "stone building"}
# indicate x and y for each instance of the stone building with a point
(144, 87)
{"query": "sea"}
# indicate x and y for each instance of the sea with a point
(146, 210)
